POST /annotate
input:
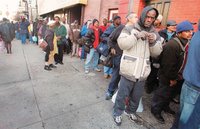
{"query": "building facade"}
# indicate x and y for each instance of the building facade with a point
(177, 10)
(81, 10)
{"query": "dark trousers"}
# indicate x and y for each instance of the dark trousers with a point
(162, 98)
(152, 80)
(60, 53)
(132, 90)
(47, 50)
(113, 85)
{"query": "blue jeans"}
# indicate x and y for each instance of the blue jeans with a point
(189, 107)
(92, 59)
(107, 70)
(113, 85)
(82, 53)
(17, 35)
(23, 38)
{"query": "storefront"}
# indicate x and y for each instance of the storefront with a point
(71, 9)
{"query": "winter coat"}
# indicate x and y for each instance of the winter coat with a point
(60, 31)
(135, 64)
(171, 60)
(42, 31)
(24, 27)
(49, 38)
(76, 33)
(90, 37)
(112, 41)
(84, 30)
(192, 69)
(107, 32)
(6, 29)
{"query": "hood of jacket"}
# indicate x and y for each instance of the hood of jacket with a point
(143, 16)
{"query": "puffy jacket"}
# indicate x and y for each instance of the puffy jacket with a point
(135, 64)
(6, 31)
(90, 37)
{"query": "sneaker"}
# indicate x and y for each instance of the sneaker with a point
(97, 69)
(159, 117)
(61, 63)
(87, 71)
(132, 117)
(46, 67)
(106, 76)
(118, 120)
(108, 96)
(52, 66)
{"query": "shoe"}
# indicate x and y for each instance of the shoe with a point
(52, 66)
(169, 111)
(87, 71)
(108, 96)
(118, 120)
(132, 117)
(61, 63)
(97, 69)
(106, 76)
(159, 117)
(46, 67)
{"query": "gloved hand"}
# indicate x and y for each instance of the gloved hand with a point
(151, 37)
(142, 35)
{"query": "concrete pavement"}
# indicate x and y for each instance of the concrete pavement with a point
(64, 98)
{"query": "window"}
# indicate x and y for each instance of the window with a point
(112, 13)
(163, 8)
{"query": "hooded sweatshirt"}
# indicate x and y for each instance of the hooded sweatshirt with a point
(192, 69)
(143, 16)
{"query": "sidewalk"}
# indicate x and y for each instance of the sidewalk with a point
(64, 98)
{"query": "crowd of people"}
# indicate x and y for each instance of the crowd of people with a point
(140, 55)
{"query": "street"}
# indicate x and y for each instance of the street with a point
(64, 98)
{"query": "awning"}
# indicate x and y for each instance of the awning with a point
(47, 6)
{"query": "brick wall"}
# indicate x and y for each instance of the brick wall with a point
(123, 9)
(92, 10)
(105, 6)
(124, 6)
(185, 10)
(99, 9)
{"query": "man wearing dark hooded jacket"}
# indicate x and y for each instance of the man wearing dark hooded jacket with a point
(170, 73)
(138, 42)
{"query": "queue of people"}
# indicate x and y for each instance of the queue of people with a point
(141, 55)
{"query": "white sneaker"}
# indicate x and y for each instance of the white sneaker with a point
(132, 117)
(87, 71)
(118, 120)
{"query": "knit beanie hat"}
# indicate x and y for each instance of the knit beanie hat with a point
(95, 20)
(116, 17)
(184, 26)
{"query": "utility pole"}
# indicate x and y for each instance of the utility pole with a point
(26, 8)
(130, 7)
(36, 6)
